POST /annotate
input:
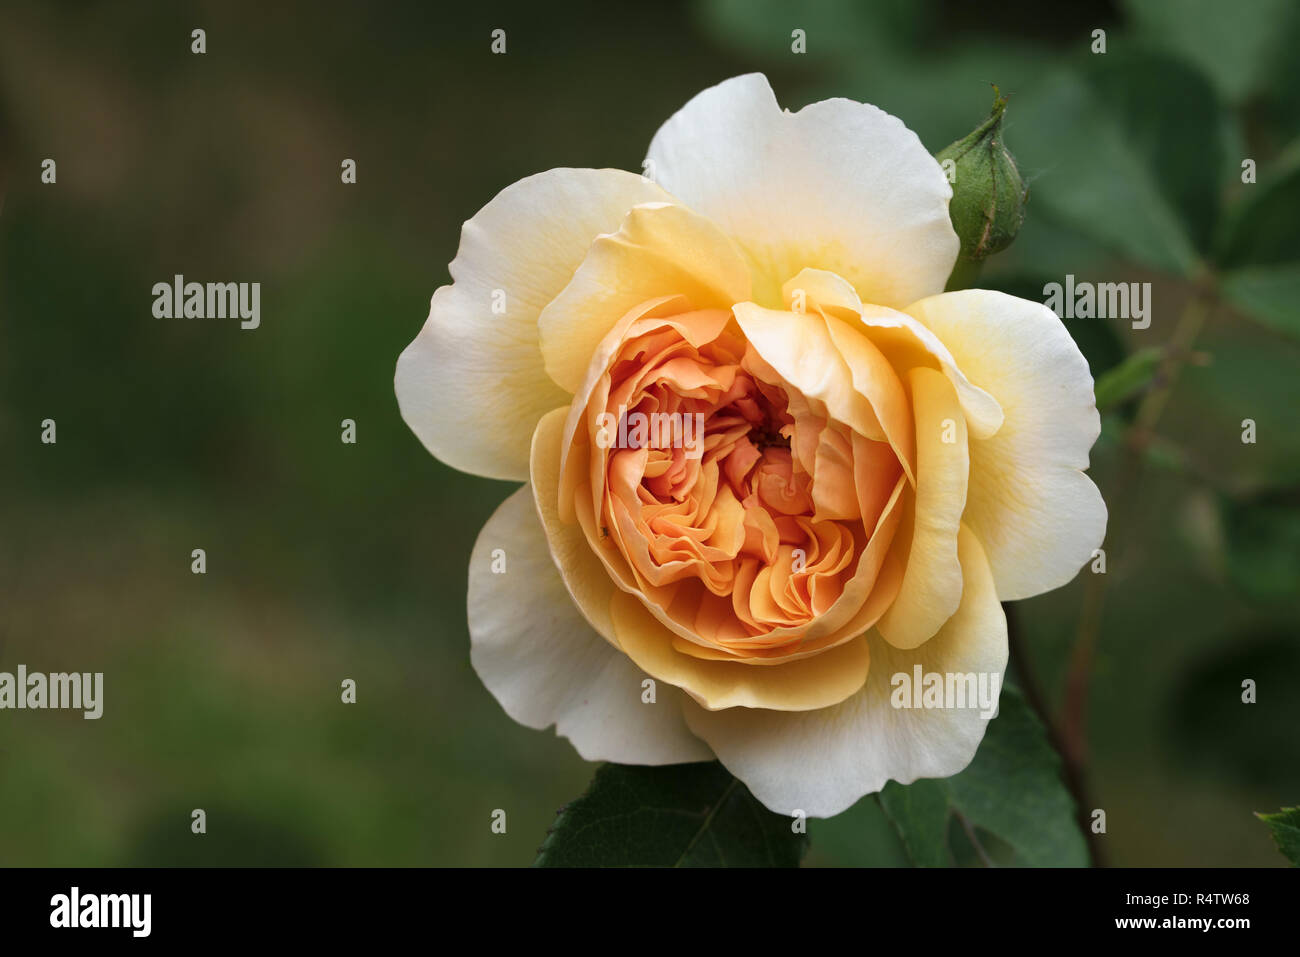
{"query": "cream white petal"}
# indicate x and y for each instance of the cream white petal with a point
(1037, 515)
(822, 761)
(545, 664)
(472, 385)
(838, 185)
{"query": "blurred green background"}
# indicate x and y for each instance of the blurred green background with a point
(329, 561)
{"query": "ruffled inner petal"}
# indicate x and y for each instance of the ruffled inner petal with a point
(748, 515)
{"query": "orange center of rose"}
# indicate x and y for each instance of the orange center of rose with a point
(724, 488)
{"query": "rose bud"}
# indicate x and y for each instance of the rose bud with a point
(988, 202)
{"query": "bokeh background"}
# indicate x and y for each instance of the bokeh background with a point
(329, 561)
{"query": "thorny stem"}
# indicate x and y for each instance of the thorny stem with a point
(1140, 435)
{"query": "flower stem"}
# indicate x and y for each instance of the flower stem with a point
(964, 274)
(1070, 773)
(1140, 435)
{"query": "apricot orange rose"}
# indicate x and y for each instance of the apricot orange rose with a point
(834, 471)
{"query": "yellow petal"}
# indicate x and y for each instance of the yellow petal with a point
(901, 338)
(800, 351)
(823, 761)
(583, 573)
(932, 585)
(813, 682)
(659, 250)
(1038, 516)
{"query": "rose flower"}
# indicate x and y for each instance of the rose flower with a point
(770, 464)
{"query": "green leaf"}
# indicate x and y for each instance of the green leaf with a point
(1263, 542)
(1251, 375)
(1128, 153)
(920, 812)
(1269, 294)
(1207, 726)
(862, 836)
(1169, 116)
(838, 30)
(1285, 825)
(1261, 228)
(681, 815)
(936, 94)
(1235, 44)
(1011, 791)
(1277, 115)
(1128, 378)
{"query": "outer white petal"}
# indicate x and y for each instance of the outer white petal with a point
(541, 660)
(821, 762)
(839, 185)
(1038, 516)
(472, 384)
